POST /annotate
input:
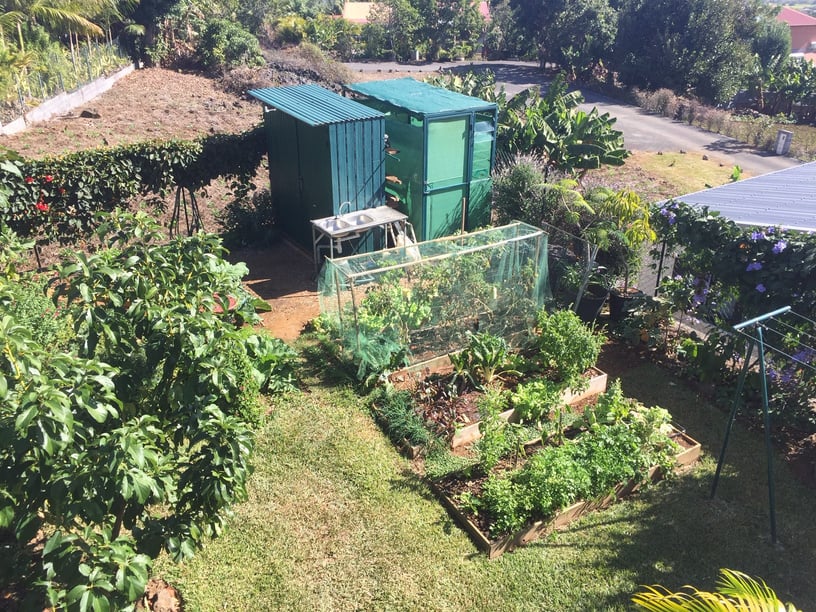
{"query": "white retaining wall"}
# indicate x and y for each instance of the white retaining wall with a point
(65, 102)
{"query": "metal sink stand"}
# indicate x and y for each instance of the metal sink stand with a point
(329, 233)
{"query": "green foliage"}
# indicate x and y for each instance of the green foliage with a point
(735, 591)
(732, 273)
(392, 30)
(441, 461)
(692, 47)
(395, 411)
(249, 221)
(567, 347)
(273, 361)
(585, 468)
(485, 360)
(139, 439)
(225, 44)
(579, 37)
(494, 442)
(536, 400)
(57, 198)
(338, 36)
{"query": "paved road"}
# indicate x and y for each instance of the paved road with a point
(641, 131)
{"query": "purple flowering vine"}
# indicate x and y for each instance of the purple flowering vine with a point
(754, 265)
(780, 246)
(761, 288)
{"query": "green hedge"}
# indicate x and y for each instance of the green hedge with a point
(56, 198)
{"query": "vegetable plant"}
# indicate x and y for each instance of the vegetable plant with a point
(485, 360)
(566, 347)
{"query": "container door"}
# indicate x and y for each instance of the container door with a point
(284, 173)
(446, 177)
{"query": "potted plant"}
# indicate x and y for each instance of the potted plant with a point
(630, 229)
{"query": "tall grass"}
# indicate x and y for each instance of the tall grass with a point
(758, 131)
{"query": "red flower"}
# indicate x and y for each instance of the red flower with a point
(48, 178)
(62, 190)
(29, 179)
(41, 205)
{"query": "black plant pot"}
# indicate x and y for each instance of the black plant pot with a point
(592, 301)
(621, 304)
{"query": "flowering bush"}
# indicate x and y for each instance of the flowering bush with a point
(738, 273)
(726, 274)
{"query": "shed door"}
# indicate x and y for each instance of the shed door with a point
(446, 184)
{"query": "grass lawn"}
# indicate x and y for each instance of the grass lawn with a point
(337, 520)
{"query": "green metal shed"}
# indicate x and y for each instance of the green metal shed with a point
(441, 147)
(325, 152)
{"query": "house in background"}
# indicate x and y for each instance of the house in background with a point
(803, 32)
(357, 12)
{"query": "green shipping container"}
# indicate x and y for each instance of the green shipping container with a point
(324, 150)
(440, 152)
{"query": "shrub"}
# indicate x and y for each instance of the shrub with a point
(225, 44)
(139, 439)
(249, 221)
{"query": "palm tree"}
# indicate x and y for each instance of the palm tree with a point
(736, 592)
(53, 14)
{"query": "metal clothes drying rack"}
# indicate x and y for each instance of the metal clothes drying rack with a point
(754, 330)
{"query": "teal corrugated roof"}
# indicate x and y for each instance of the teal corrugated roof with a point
(419, 97)
(313, 104)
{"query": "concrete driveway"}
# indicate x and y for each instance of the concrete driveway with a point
(642, 131)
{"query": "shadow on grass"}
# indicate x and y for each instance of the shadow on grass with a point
(675, 534)
(321, 363)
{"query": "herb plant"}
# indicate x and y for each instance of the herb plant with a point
(566, 347)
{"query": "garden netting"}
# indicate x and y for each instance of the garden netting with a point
(404, 305)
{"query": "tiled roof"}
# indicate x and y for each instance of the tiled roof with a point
(795, 18)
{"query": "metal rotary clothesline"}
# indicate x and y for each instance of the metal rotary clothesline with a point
(794, 338)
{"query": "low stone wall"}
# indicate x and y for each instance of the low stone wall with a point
(65, 102)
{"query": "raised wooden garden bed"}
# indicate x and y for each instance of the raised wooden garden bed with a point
(690, 453)
(597, 385)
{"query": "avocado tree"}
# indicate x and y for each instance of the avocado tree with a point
(135, 438)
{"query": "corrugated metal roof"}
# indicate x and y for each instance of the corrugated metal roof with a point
(786, 198)
(419, 97)
(313, 104)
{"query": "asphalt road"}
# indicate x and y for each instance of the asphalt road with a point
(642, 131)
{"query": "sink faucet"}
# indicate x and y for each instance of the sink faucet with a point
(347, 206)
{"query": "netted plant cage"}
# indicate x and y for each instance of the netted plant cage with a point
(408, 304)
(575, 272)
